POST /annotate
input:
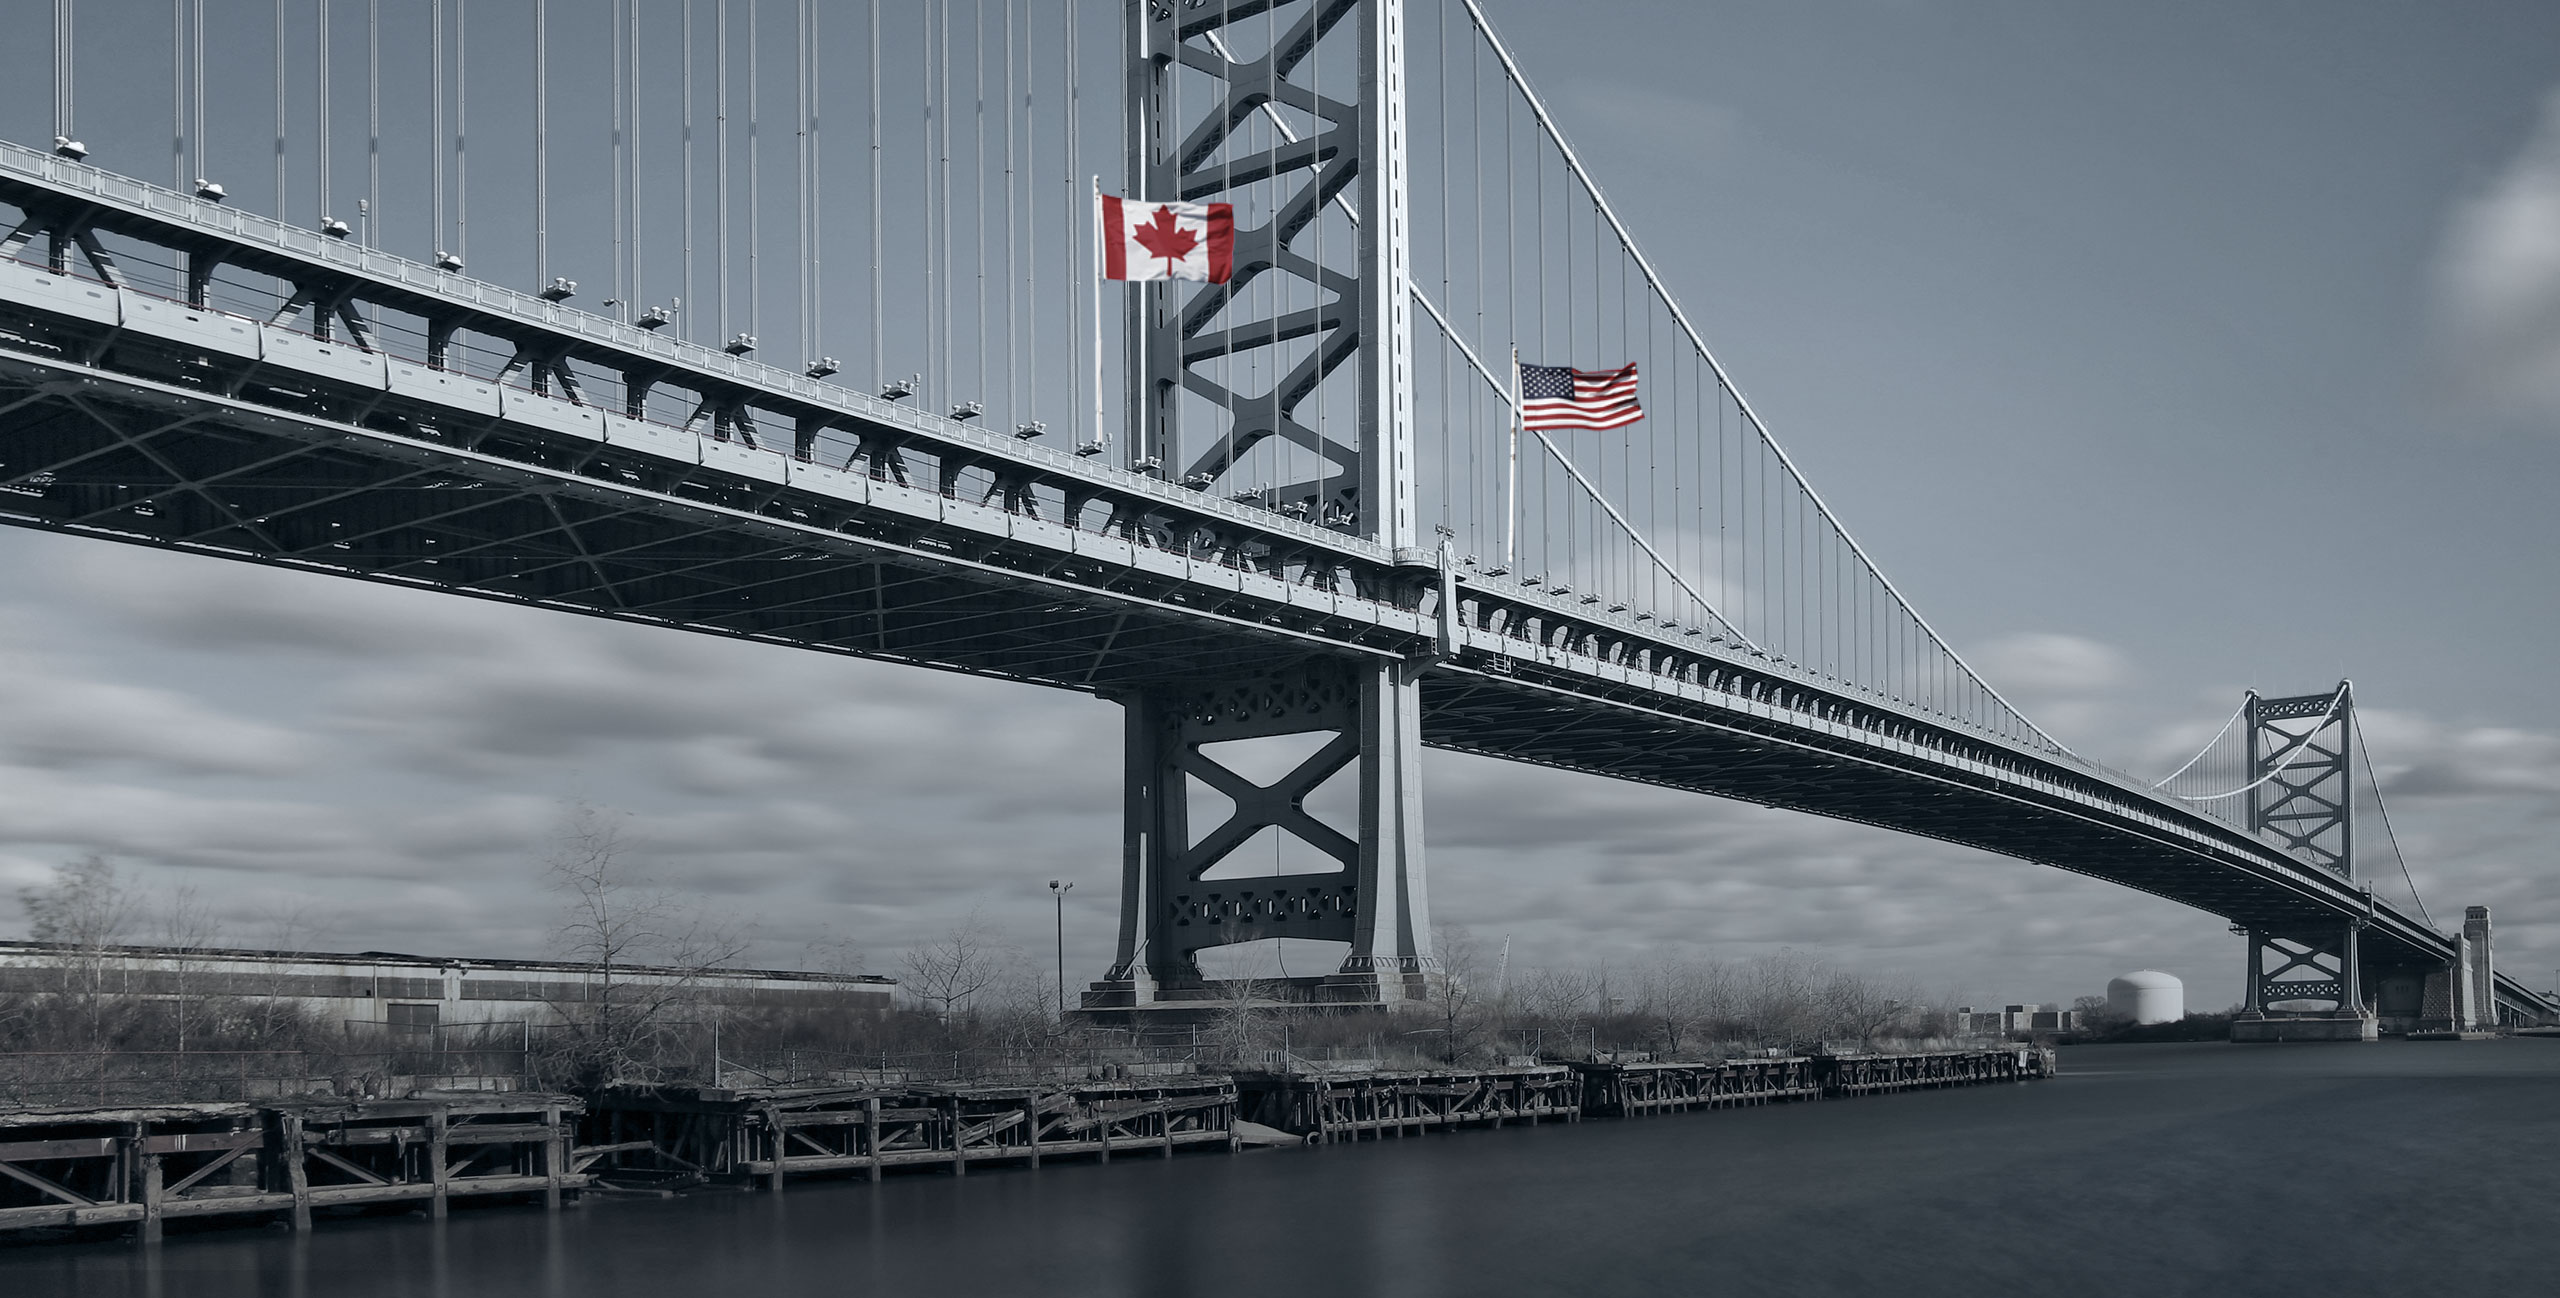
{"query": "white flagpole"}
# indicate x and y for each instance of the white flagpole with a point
(1099, 440)
(1511, 478)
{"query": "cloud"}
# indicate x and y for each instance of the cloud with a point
(2047, 663)
(55, 715)
(2498, 284)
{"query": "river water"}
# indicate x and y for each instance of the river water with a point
(2144, 1170)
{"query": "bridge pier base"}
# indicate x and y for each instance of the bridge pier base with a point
(2276, 1006)
(1186, 889)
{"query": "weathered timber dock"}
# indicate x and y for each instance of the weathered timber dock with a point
(769, 1133)
(151, 1165)
(1329, 1107)
(1844, 1075)
(1627, 1090)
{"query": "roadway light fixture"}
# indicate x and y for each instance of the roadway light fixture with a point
(968, 410)
(1059, 890)
(560, 290)
(740, 345)
(210, 191)
(447, 262)
(65, 146)
(821, 367)
(333, 227)
(1089, 449)
(1027, 431)
(900, 389)
(655, 318)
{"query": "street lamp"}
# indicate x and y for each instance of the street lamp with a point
(1059, 891)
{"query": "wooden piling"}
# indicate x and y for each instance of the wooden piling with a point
(437, 1170)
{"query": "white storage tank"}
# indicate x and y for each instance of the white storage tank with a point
(2148, 996)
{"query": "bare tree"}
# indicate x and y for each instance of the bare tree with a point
(1456, 1000)
(84, 909)
(1679, 997)
(949, 971)
(615, 922)
(186, 928)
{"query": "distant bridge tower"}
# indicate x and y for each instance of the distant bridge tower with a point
(2302, 797)
(1221, 109)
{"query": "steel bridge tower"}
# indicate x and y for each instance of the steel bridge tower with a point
(2302, 797)
(1189, 424)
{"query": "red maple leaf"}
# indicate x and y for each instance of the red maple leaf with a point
(1165, 237)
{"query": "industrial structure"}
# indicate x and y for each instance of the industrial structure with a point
(1323, 518)
(413, 993)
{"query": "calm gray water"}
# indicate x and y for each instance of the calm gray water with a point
(2150, 1170)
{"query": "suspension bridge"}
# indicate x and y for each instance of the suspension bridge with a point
(1296, 504)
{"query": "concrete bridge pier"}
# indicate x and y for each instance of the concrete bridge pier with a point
(2462, 997)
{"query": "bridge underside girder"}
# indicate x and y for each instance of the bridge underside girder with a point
(198, 474)
(302, 477)
(1786, 767)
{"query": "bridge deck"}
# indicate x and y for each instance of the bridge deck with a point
(886, 533)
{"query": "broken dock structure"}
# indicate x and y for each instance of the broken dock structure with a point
(151, 1165)
(770, 1133)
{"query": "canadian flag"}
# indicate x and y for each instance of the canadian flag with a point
(1167, 240)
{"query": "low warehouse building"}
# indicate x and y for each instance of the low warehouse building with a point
(412, 992)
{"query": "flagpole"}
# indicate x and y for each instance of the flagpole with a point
(1098, 439)
(1511, 478)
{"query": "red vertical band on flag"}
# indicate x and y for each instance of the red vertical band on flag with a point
(1115, 240)
(1222, 242)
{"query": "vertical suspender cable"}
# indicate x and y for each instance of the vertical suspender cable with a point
(1069, 90)
(925, 175)
(942, 187)
(320, 125)
(684, 324)
(195, 84)
(177, 94)
(373, 117)
(1012, 352)
(461, 130)
(542, 143)
(435, 126)
(66, 64)
(817, 194)
(800, 136)
(621, 285)
(879, 352)
(279, 147)
(755, 184)
(1031, 205)
(720, 152)
(978, 179)
(631, 170)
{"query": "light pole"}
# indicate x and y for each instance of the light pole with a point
(1058, 891)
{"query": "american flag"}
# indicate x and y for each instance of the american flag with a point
(1557, 396)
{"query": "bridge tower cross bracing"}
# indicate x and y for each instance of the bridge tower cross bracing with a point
(2302, 798)
(1181, 340)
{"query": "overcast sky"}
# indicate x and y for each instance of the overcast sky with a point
(2158, 352)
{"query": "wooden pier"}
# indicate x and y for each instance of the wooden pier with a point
(775, 1132)
(1628, 1090)
(149, 1166)
(1350, 1106)
(1845, 1075)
